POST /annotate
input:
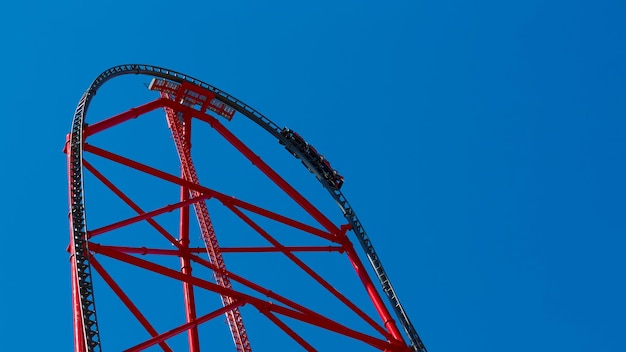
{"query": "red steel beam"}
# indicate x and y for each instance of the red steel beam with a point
(319, 279)
(123, 117)
(130, 202)
(280, 218)
(210, 193)
(79, 334)
(307, 316)
(166, 335)
(181, 133)
(190, 300)
(259, 163)
(127, 302)
(77, 312)
(145, 216)
(302, 342)
(177, 252)
(287, 248)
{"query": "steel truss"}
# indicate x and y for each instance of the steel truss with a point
(187, 100)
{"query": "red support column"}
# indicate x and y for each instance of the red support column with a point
(190, 304)
(77, 312)
(375, 297)
(79, 335)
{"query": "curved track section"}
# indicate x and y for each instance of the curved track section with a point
(74, 146)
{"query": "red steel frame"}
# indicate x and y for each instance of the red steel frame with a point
(273, 306)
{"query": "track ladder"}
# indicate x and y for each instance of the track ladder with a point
(233, 316)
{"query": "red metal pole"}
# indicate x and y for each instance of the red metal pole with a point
(79, 334)
(190, 303)
(377, 300)
(181, 133)
(125, 116)
(166, 335)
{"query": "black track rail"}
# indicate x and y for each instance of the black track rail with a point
(79, 235)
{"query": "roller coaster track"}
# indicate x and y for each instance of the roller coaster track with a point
(77, 200)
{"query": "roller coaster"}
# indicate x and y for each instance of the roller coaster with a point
(185, 99)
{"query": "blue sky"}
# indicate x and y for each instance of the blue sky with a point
(481, 144)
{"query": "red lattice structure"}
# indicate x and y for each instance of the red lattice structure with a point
(189, 250)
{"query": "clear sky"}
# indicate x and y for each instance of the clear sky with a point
(482, 145)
